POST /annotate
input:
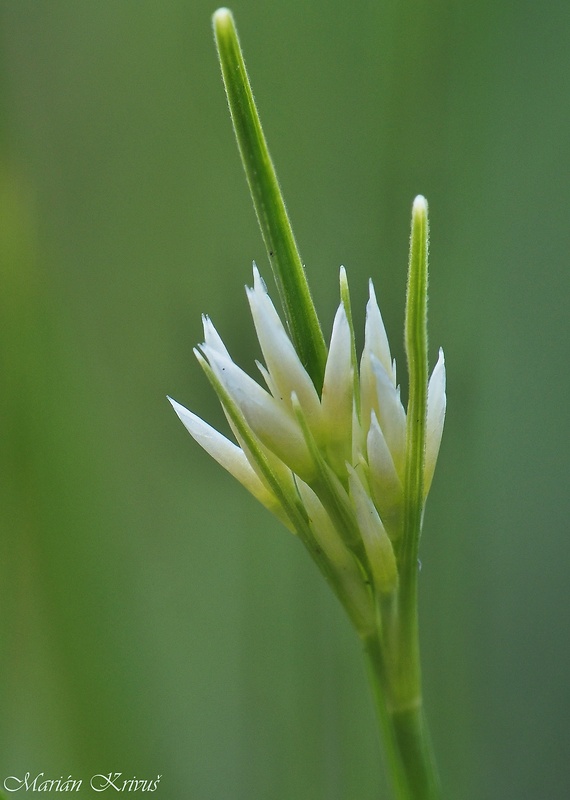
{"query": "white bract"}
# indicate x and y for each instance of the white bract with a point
(330, 467)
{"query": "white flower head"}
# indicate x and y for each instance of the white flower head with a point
(330, 464)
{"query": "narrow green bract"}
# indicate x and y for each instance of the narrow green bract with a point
(416, 351)
(268, 201)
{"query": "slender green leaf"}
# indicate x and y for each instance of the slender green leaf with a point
(269, 205)
(416, 351)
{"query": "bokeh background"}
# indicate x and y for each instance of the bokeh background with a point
(154, 619)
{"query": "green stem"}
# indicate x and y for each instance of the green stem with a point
(378, 681)
(414, 743)
(407, 744)
(269, 205)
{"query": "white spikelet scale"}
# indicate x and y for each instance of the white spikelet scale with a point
(387, 406)
(435, 418)
(337, 395)
(375, 338)
(385, 484)
(212, 338)
(376, 541)
(268, 418)
(287, 372)
(230, 457)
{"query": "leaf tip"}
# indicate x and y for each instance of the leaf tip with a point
(222, 18)
(420, 206)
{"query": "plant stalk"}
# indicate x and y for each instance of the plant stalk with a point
(407, 744)
(392, 651)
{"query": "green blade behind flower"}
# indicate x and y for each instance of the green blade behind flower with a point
(270, 208)
(416, 351)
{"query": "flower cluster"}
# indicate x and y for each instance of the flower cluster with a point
(330, 466)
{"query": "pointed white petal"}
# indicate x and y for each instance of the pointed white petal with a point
(368, 394)
(376, 542)
(383, 398)
(266, 416)
(267, 378)
(226, 453)
(338, 372)
(376, 350)
(279, 470)
(435, 418)
(337, 396)
(375, 339)
(212, 337)
(345, 301)
(385, 484)
(268, 467)
(229, 456)
(286, 370)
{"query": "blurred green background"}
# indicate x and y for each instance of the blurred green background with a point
(154, 619)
